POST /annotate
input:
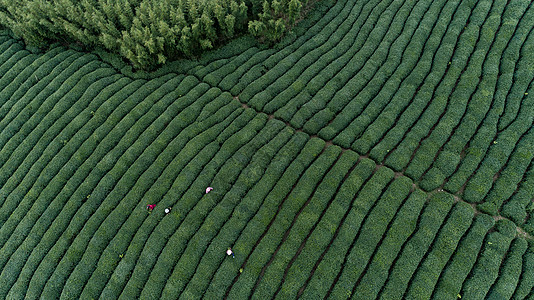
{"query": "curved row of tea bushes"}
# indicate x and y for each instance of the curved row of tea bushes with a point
(425, 91)
(39, 132)
(371, 235)
(324, 15)
(277, 232)
(510, 272)
(486, 269)
(120, 174)
(409, 77)
(185, 188)
(362, 102)
(498, 154)
(274, 67)
(440, 85)
(419, 243)
(265, 283)
(42, 102)
(450, 281)
(516, 207)
(475, 150)
(80, 185)
(26, 105)
(526, 281)
(424, 280)
(260, 223)
(481, 101)
(233, 228)
(343, 71)
(303, 225)
(194, 152)
(155, 179)
(28, 77)
(334, 257)
(197, 246)
(53, 158)
(295, 53)
(105, 143)
(343, 35)
(375, 275)
(318, 242)
(246, 128)
(510, 176)
(460, 94)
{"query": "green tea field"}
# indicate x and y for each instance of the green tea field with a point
(382, 150)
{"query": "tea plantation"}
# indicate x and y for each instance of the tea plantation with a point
(383, 150)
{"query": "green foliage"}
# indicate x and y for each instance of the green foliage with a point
(415, 248)
(146, 33)
(486, 269)
(510, 271)
(453, 276)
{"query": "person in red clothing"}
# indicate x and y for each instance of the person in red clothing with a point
(150, 207)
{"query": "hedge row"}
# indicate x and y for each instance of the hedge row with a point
(311, 255)
(120, 140)
(357, 69)
(481, 101)
(460, 97)
(521, 84)
(336, 38)
(255, 229)
(479, 144)
(322, 280)
(279, 64)
(415, 72)
(368, 105)
(415, 249)
(26, 76)
(510, 272)
(115, 115)
(486, 270)
(216, 269)
(290, 208)
(43, 135)
(526, 281)
(97, 230)
(498, 154)
(303, 226)
(159, 173)
(150, 244)
(56, 161)
(464, 47)
(374, 277)
(282, 61)
(76, 187)
(452, 277)
(425, 279)
(422, 97)
(186, 187)
(510, 177)
(516, 207)
(23, 98)
(371, 235)
(43, 103)
(316, 81)
(32, 98)
(198, 260)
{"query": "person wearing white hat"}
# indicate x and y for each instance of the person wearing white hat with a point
(230, 252)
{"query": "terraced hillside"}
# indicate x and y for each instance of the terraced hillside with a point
(382, 151)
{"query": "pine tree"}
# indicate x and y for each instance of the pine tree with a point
(295, 7)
